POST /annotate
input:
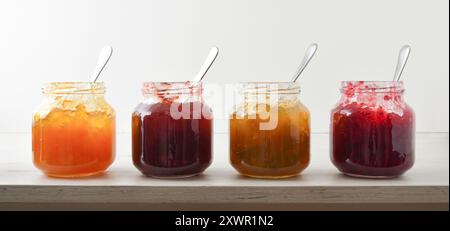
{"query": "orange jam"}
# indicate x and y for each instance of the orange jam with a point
(277, 152)
(73, 130)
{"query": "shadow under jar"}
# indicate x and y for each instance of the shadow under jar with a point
(172, 131)
(372, 130)
(269, 131)
(73, 131)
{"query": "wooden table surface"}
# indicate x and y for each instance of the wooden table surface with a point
(319, 187)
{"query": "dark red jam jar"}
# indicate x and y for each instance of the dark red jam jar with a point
(372, 130)
(172, 131)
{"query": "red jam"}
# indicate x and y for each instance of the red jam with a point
(164, 146)
(372, 130)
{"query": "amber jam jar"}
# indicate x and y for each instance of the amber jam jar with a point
(269, 131)
(73, 130)
(172, 130)
(372, 130)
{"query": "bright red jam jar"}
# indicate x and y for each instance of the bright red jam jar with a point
(172, 130)
(372, 130)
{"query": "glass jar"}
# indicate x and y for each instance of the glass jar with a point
(269, 131)
(172, 131)
(372, 130)
(73, 131)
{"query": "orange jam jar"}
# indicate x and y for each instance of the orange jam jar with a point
(73, 130)
(269, 131)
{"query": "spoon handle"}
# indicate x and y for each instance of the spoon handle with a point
(308, 56)
(402, 59)
(103, 59)
(207, 64)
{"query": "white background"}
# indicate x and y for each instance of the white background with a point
(167, 40)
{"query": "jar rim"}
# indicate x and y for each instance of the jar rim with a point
(269, 82)
(74, 88)
(187, 87)
(169, 82)
(262, 87)
(372, 86)
(372, 81)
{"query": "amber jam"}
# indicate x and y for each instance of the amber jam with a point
(372, 130)
(73, 130)
(172, 131)
(269, 131)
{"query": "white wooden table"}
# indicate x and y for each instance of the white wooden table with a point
(320, 187)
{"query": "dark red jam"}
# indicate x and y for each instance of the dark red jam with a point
(168, 147)
(372, 130)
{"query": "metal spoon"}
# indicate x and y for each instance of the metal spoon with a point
(308, 56)
(206, 65)
(402, 58)
(103, 59)
(212, 55)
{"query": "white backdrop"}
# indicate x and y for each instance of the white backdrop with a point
(59, 40)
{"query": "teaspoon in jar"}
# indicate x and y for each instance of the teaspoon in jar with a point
(206, 65)
(212, 55)
(103, 59)
(308, 56)
(402, 59)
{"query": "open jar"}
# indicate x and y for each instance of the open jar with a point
(73, 131)
(372, 130)
(269, 131)
(172, 130)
